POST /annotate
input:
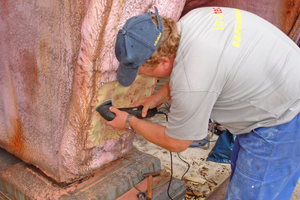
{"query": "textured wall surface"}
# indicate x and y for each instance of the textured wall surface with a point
(57, 64)
(285, 14)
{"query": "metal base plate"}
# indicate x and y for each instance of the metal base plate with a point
(19, 180)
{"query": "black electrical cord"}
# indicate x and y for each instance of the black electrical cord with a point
(163, 114)
(167, 109)
(168, 190)
(163, 110)
(185, 163)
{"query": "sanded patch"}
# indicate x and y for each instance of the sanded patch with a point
(121, 97)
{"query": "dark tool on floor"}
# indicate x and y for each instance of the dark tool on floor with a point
(141, 196)
(104, 111)
(149, 184)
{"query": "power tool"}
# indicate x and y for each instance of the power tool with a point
(104, 111)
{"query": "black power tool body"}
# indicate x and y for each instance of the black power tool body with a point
(104, 111)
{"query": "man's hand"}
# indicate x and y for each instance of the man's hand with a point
(161, 97)
(147, 103)
(119, 121)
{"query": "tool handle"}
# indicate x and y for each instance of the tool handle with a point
(149, 189)
(104, 111)
(137, 111)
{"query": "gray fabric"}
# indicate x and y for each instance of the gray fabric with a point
(234, 67)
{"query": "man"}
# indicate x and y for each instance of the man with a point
(228, 65)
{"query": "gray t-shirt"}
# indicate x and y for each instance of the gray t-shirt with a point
(234, 67)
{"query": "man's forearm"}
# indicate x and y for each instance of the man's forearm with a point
(156, 134)
(164, 94)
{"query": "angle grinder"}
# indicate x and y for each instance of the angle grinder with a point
(104, 111)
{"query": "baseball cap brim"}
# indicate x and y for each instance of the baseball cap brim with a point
(126, 76)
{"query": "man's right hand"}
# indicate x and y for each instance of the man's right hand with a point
(161, 97)
(147, 103)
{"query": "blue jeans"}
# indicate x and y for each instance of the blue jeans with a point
(266, 163)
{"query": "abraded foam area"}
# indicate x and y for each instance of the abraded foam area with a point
(121, 97)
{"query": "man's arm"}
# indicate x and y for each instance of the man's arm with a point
(156, 134)
(152, 132)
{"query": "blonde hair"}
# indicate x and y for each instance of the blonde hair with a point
(169, 43)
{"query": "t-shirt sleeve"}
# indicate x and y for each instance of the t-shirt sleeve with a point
(189, 115)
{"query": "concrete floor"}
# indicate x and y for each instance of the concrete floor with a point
(195, 156)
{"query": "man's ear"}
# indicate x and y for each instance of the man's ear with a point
(165, 62)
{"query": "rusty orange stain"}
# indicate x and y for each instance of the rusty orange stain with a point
(30, 73)
(16, 142)
(15, 128)
(287, 16)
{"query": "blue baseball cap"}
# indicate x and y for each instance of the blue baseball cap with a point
(135, 44)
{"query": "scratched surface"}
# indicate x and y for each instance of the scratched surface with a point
(121, 97)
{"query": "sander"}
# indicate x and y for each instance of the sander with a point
(104, 111)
